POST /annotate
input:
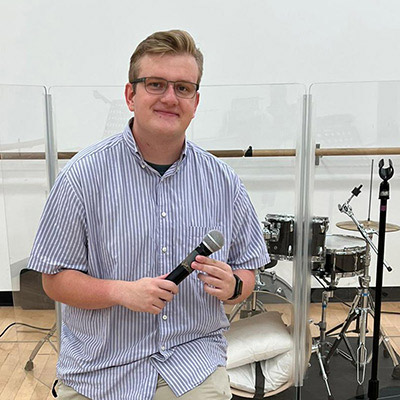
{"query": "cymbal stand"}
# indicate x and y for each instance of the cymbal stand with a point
(251, 304)
(362, 305)
(347, 209)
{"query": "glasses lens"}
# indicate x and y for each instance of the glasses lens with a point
(156, 85)
(185, 89)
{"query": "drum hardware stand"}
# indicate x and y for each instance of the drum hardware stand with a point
(319, 346)
(362, 306)
(347, 209)
(251, 303)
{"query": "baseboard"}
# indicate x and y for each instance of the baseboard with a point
(390, 293)
(6, 299)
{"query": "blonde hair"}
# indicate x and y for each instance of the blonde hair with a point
(166, 42)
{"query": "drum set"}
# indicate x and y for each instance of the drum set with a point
(333, 257)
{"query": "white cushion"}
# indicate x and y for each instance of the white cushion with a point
(277, 371)
(257, 338)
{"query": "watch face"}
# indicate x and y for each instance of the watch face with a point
(238, 288)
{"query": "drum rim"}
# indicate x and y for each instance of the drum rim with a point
(281, 280)
(290, 217)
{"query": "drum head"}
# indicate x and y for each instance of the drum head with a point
(343, 242)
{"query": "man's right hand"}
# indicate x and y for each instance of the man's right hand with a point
(146, 294)
(84, 291)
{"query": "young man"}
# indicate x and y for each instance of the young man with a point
(121, 216)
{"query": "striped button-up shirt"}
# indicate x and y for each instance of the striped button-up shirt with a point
(112, 216)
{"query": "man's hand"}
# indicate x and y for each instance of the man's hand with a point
(146, 294)
(217, 277)
(83, 291)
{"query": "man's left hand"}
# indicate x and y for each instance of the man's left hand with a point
(217, 277)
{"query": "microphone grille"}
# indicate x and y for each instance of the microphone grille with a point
(214, 240)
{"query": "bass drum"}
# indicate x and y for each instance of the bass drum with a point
(273, 289)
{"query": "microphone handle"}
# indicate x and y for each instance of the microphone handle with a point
(184, 269)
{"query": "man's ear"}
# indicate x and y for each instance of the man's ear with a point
(130, 96)
(196, 104)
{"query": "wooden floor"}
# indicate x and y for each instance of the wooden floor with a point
(18, 342)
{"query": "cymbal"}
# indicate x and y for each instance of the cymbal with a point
(351, 226)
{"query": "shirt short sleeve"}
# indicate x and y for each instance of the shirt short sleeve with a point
(61, 240)
(248, 249)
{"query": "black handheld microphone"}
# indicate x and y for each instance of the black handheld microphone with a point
(212, 242)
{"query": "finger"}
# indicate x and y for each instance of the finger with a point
(159, 303)
(166, 296)
(207, 260)
(155, 310)
(212, 262)
(209, 269)
(213, 291)
(210, 280)
(168, 285)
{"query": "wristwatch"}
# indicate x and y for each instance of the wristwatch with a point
(238, 288)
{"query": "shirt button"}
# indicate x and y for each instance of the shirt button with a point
(142, 165)
(162, 348)
(163, 214)
(164, 317)
(164, 249)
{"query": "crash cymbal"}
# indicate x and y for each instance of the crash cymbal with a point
(351, 226)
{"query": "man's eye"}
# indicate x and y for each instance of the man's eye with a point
(156, 85)
(183, 88)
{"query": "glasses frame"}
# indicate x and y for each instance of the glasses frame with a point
(174, 83)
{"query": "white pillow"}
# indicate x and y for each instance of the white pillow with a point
(257, 338)
(277, 371)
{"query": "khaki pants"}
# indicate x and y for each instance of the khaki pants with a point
(215, 387)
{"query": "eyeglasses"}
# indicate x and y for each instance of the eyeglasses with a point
(183, 89)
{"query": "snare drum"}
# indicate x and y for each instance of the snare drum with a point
(279, 236)
(346, 256)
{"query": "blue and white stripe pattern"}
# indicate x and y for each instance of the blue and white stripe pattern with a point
(112, 216)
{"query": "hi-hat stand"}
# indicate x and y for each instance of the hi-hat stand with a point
(319, 346)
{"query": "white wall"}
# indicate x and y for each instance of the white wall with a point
(260, 41)
(75, 42)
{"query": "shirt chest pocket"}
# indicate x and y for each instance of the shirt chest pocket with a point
(206, 235)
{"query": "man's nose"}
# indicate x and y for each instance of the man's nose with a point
(169, 94)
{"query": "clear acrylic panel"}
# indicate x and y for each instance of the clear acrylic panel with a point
(229, 120)
(85, 115)
(264, 121)
(354, 126)
(26, 366)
